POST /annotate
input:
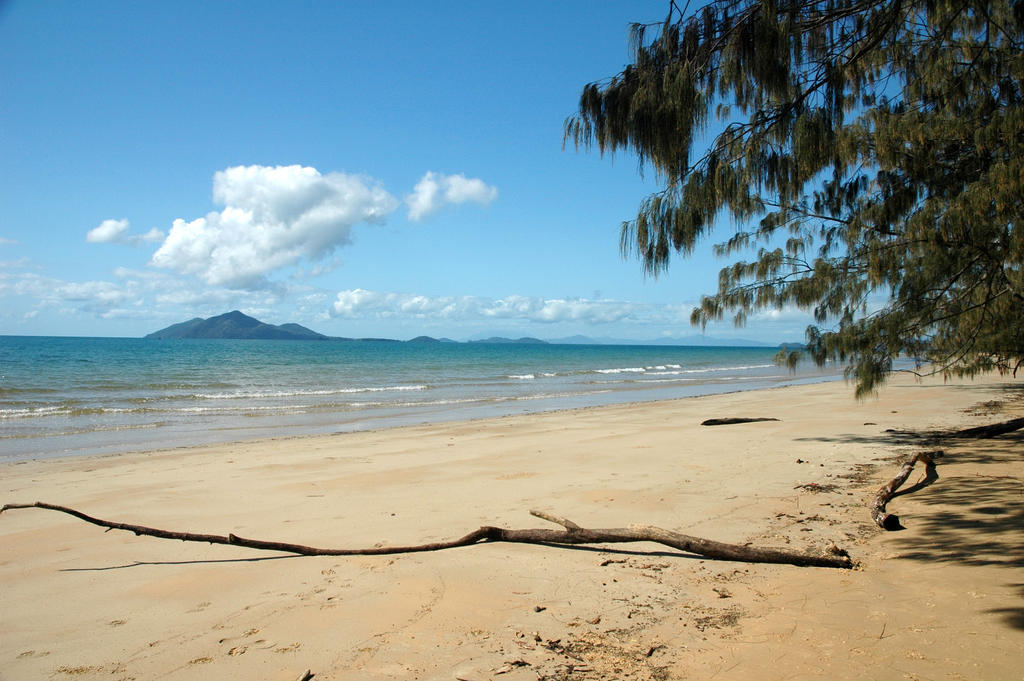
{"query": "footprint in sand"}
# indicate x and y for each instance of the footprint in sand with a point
(113, 668)
(32, 653)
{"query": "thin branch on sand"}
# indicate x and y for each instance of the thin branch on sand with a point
(572, 534)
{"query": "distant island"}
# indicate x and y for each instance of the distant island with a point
(239, 326)
(499, 339)
(236, 325)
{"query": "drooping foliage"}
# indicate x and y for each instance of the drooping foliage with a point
(870, 153)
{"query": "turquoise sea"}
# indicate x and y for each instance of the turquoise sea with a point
(77, 396)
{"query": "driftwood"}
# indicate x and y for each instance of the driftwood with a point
(735, 419)
(992, 430)
(891, 521)
(572, 534)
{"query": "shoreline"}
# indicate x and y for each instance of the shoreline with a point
(60, 399)
(82, 602)
(478, 412)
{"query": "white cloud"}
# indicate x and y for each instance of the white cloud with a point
(108, 231)
(98, 297)
(7, 242)
(153, 235)
(116, 231)
(99, 293)
(789, 313)
(273, 217)
(150, 298)
(435, 190)
(362, 303)
(183, 297)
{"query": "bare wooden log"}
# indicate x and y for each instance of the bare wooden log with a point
(991, 430)
(891, 521)
(735, 419)
(572, 534)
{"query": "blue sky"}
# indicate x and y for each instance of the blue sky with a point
(362, 168)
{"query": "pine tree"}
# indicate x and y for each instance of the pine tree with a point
(869, 152)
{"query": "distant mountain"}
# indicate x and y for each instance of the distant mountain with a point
(236, 325)
(586, 340)
(500, 339)
(180, 330)
(301, 331)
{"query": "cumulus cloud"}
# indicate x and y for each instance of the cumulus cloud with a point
(116, 231)
(360, 302)
(435, 190)
(177, 296)
(97, 297)
(108, 231)
(153, 234)
(273, 217)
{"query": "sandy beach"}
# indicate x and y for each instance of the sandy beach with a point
(942, 599)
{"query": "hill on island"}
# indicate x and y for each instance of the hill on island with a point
(238, 326)
(526, 340)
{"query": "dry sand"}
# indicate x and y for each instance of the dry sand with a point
(943, 599)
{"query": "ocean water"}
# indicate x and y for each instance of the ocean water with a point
(78, 396)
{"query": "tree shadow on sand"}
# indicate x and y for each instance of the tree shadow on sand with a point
(973, 515)
(896, 437)
(970, 518)
(970, 510)
(1014, 616)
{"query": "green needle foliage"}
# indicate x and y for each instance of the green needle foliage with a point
(870, 152)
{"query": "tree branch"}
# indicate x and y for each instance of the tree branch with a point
(891, 521)
(573, 534)
(992, 430)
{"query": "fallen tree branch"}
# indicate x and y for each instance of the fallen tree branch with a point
(572, 534)
(991, 430)
(891, 521)
(731, 420)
